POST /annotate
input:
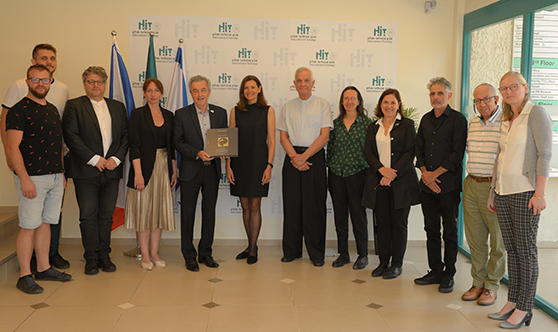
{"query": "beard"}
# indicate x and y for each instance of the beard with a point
(38, 94)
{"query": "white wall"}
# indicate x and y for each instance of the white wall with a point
(429, 45)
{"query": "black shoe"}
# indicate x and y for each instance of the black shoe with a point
(341, 260)
(106, 264)
(91, 267)
(429, 279)
(447, 285)
(58, 261)
(192, 265)
(393, 272)
(208, 261)
(318, 262)
(51, 274)
(252, 259)
(28, 285)
(380, 270)
(243, 255)
(360, 263)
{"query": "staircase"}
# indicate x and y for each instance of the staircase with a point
(8, 234)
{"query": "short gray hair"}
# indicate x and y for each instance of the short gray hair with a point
(94, 70)
(439, 80)
(303, 69)
(199, 78)
(490, 86)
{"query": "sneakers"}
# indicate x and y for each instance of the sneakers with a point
(106, 264)
(58, 261)
(446, 286)
(430, 278)
(51, 274)
(28, 285)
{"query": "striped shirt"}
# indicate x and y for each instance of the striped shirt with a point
(482, 144)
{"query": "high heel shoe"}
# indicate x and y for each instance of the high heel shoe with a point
(243, 255)
(252, 259)
(526, 320)
(497, 316)
(160, 264)
(146, 266)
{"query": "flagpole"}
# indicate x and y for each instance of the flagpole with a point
(135, 250)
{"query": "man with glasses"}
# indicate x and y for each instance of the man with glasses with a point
(440, 147)
(304, 127)
(488, 266)
(34, 146)
(58, 94)
(96, 132)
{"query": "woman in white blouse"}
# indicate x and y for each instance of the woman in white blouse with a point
(521, 173)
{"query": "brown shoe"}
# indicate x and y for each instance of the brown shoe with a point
(472, 294)
(487, 298)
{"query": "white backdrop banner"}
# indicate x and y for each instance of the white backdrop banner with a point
(225, 50)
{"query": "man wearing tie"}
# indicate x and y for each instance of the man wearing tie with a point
(198, 170)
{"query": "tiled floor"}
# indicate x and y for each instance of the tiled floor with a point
(267, 296)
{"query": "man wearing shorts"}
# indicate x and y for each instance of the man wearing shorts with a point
(34, 148)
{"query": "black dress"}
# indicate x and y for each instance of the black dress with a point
(249, 166)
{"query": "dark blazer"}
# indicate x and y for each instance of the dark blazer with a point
(82, 135)
(188, 139)
(143, 142)
(405, 186)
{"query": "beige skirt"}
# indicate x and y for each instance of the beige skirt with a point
(152, 208)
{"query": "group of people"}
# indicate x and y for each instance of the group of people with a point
(370, 164)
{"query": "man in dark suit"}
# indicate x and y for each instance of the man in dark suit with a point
(96, 132)
(198, 170)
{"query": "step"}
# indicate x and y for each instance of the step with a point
(8, 235)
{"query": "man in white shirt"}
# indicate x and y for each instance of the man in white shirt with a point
(304, 128)
(488, 265)
(43, 54)
(96, 132)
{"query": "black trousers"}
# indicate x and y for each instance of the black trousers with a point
(96, 199)
(304, 207)
(205, 179)
(391, 228)
(346, 196)
(434, 207)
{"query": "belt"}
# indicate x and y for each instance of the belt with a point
(480, 179)
(208, 163)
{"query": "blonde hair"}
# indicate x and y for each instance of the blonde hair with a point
(507, 113)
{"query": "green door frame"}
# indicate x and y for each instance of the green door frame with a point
(497, 12)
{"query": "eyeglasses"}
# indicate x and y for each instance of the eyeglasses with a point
(37, 80)
(350, 99)
(485, 100)
(512, 88)
(92, 82)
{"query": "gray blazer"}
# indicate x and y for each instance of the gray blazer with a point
(538, 150)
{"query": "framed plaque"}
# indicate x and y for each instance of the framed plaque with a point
(222, 142)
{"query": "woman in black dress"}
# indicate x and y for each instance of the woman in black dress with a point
(250, 172)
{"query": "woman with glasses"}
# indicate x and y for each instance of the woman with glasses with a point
(149, 201)
(346, 175)
(521, 173)
(391, 182)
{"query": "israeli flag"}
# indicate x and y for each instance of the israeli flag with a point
(178, 93)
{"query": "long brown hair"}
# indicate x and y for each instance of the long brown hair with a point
(360, 107)
(378, 111)
(242, 101)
